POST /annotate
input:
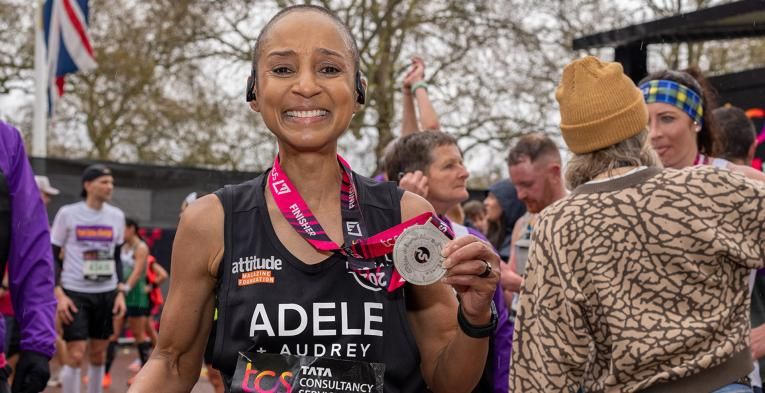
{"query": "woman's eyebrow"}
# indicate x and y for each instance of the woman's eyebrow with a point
(329, 52)
(282, 53)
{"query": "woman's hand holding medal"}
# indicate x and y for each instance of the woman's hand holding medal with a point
(472, 269)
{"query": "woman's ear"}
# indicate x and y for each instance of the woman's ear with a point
(361, 96)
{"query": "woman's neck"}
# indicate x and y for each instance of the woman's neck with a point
(133, 241)
(317, 176)
(688, 160)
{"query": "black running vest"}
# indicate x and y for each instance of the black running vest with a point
(269, 301)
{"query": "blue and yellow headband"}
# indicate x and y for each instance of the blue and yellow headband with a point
(673, 93)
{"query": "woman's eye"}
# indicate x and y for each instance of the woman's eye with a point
(329, 70)
(281, 70)
(667, 119)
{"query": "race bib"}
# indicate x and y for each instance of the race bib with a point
(98, 265)
(265, 372)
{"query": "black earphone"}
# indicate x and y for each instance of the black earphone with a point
(250, 94)
(361, 96)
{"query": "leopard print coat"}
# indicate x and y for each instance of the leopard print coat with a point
(640, 284)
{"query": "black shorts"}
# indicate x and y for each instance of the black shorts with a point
(93, 318)
(138, 312)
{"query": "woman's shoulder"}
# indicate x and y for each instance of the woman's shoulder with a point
(412, 205)
(142, 246)
(243, 195)
(747, 171)
(204, 214)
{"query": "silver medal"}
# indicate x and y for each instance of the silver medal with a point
(417, 254)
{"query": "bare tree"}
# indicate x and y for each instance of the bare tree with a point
(16, 44)
(171, 74)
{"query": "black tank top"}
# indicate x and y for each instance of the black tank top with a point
(270, 301)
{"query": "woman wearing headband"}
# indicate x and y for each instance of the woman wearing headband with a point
(298, 258)
(682, 128)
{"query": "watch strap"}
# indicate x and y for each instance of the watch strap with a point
(478, 331)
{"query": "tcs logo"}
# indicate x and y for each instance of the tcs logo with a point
(266, 381)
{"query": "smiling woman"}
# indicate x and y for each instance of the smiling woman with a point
(329, 288)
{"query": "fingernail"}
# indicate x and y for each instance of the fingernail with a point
(447, 263)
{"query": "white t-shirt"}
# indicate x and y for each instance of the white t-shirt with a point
(88, 238)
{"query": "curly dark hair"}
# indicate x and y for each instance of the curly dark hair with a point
(709, 140)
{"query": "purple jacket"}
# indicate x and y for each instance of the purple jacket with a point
(30, 259)
(503, 335)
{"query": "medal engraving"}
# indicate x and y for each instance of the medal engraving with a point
(417, 254)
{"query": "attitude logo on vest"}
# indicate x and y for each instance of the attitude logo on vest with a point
(256, 270)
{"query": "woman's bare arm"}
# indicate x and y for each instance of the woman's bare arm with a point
(187, 317)
(451, 360)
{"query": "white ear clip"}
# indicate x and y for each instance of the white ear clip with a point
(698, 126)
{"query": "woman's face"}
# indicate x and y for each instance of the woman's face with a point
(129, 232)
(493, 208)
(672, 135)
(305, 88)
(447, 178)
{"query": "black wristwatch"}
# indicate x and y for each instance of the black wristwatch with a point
(478, 331)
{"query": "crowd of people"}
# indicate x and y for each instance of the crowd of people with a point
(632, 267)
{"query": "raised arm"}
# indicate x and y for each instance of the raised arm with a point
(187, 317)
(451, 360)
(408, 116)
(428, 116)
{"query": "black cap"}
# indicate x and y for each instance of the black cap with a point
(94, 172)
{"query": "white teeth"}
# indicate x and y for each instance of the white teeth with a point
(313, 113)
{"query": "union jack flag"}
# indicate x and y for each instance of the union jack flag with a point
(65, 27)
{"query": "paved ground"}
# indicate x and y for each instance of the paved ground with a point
(120, 375)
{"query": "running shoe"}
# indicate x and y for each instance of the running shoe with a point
(135, 366)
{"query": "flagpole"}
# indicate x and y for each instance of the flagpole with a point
(40, 130)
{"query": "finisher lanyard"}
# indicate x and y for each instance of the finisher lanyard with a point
(360, 249)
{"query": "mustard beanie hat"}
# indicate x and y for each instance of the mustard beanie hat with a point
(599, 105)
